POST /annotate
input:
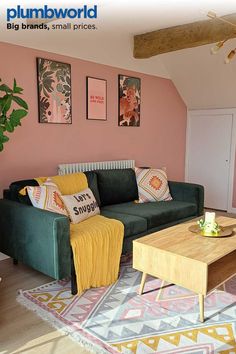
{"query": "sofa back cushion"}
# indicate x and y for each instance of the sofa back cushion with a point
(15, 188)
(93, 185)
(117, 186)
(7, 194)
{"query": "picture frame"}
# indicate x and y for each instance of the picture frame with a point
(54, 91)
(96, 98)
(129, 101)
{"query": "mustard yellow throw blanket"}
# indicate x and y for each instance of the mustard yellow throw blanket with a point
(97, 245)
(96, 242)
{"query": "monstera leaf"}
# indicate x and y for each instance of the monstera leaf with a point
(10, 118)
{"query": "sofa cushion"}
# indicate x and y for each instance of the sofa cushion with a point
(133, 224)
(16, 186)
(156, 213)
(47, 197)
(117, 186)
(6, 194)
(81, 206)
(93, 185)
(152, 185)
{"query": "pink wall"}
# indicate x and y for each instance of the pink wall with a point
(36, 149)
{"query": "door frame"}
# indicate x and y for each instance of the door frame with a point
(220, 111)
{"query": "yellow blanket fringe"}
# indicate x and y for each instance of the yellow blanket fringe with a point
(97, 246)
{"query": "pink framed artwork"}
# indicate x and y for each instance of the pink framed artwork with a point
(96, 98)
(129, 101)
(54, 91)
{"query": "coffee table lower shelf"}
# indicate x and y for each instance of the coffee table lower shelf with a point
(200, 297)
(190, 273)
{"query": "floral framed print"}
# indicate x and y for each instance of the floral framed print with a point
(54, 91)
(96, 98)
(129, 101)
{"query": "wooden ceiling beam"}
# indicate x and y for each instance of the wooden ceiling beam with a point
(184, 36)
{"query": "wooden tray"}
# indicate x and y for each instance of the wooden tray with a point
(224, 231)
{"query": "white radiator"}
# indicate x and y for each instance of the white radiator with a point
(66, 168)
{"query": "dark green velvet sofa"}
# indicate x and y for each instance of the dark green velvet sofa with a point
(40, 238)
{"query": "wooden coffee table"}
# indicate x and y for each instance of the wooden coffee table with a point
(194, 262)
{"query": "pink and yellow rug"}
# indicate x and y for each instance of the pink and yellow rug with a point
(165, 319)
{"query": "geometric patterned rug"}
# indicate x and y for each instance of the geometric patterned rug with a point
(165, 319)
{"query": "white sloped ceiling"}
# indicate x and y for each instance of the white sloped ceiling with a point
(202, 79)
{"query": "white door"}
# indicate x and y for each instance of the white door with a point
(208, 156)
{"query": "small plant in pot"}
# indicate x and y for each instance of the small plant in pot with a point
(10, 118)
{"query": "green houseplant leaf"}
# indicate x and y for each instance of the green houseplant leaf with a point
(9, 126)
(10, 117)
(17, 89)
(7, 100)
(16, 116)
(20, 102)
(5, 88)
(5, 138)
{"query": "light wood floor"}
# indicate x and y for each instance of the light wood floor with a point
(21, 331)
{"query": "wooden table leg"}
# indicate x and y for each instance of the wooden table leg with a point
(201, 307)
(144, 276)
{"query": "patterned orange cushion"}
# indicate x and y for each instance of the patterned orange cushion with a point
(47, 197)
(152, 185)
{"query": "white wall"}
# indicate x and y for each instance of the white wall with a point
(202, 79)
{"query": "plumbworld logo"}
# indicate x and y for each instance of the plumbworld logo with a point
(45, 12)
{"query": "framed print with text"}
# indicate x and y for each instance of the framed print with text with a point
(96, 98)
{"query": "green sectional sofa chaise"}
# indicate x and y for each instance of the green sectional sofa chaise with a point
(40, 239)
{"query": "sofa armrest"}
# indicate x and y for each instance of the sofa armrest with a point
(38, 238)
(188, 192)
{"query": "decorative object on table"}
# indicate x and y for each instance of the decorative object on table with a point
(10, 118)
(152, 185)
(96, 98)
(129, 101)
(116, 319)
(54, 91)
(224, 231)
(210, 228)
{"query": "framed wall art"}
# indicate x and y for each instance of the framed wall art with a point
(129, 101)
(54, 91)
(96, 98)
